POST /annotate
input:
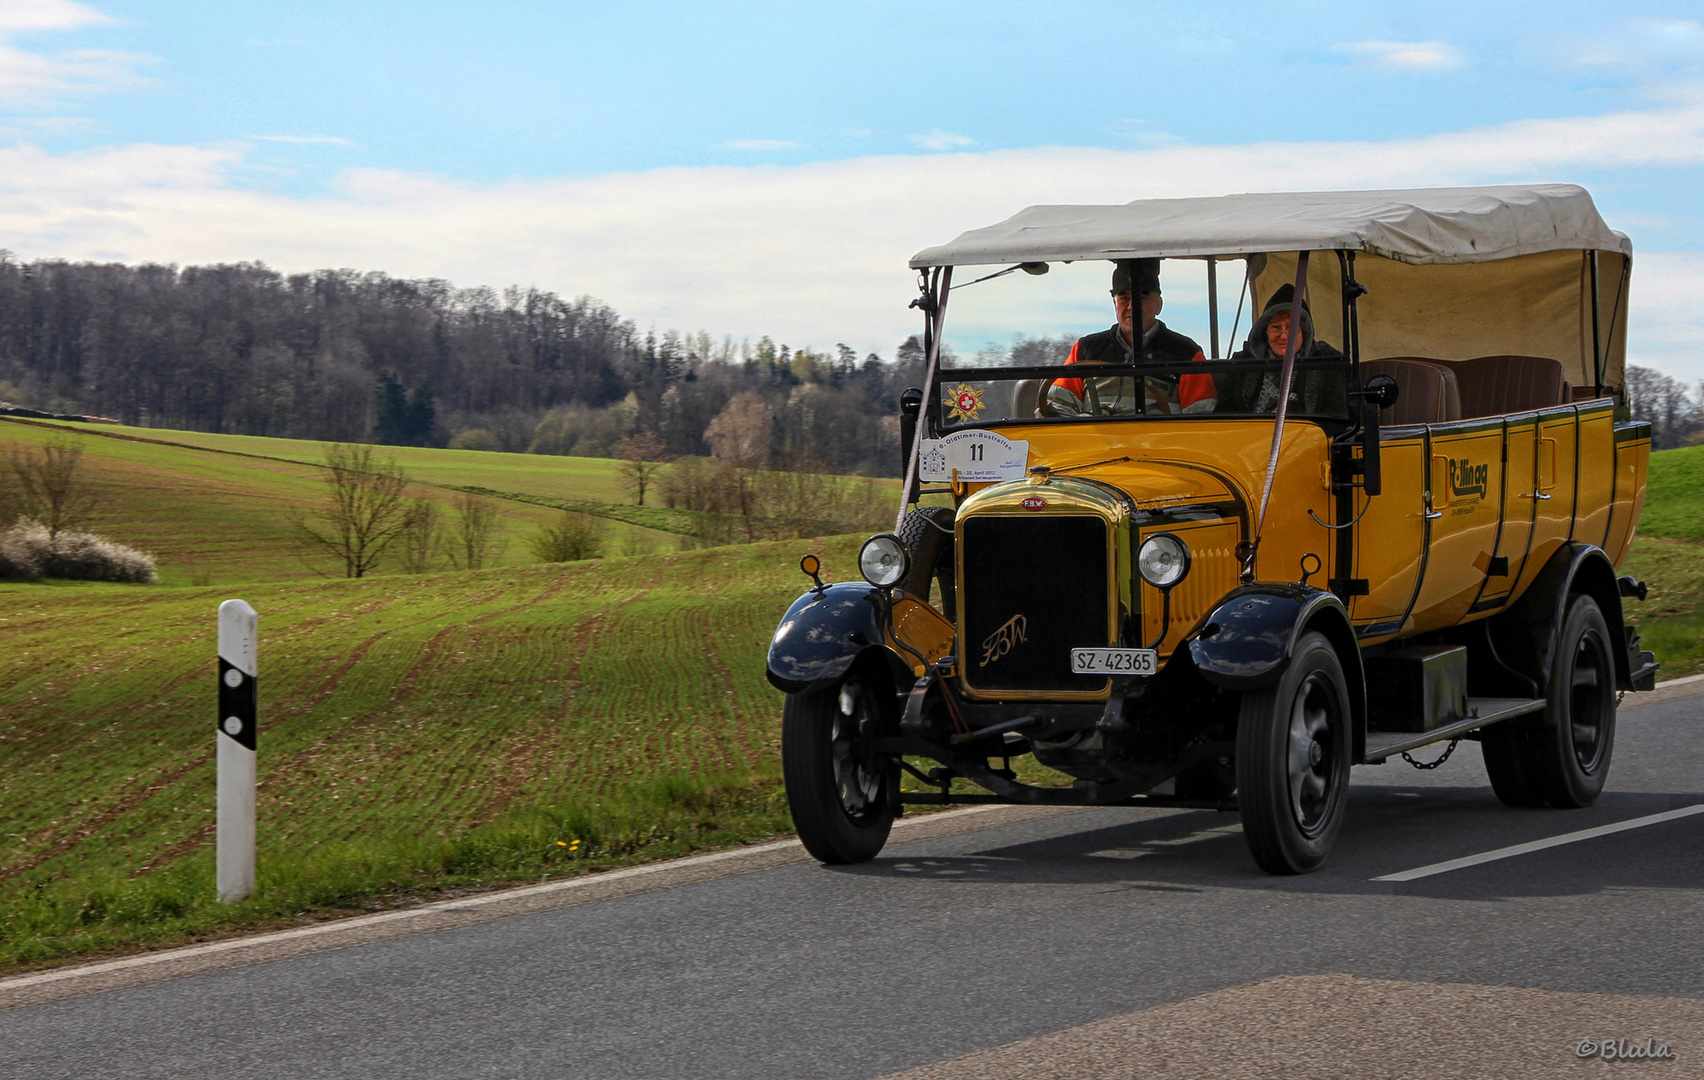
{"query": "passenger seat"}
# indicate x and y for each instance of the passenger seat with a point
(1429, 392)
(1493, 385)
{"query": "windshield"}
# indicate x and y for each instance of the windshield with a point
(1020, 345)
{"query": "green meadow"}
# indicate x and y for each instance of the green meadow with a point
(422, 733)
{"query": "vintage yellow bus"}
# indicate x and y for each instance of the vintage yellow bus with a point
(1391, 518)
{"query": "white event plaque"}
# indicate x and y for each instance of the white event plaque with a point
(979, 456)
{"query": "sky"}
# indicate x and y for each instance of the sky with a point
(752, 168)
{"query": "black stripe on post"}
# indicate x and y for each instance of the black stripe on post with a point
(237, 699)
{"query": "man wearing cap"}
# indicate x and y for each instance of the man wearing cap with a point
(1268, 338)
(1165, 389)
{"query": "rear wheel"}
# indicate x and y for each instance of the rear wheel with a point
(1293, 761)
(840, 792)
(1561, 757)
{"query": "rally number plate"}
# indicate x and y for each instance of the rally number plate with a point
(1114, 661)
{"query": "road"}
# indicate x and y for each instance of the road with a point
(960, 944)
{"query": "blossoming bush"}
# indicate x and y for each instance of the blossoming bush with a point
(28, 550)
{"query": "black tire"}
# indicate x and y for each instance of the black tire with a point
(1561, 757)
(1508, 762)
(841, 795)
(927, 532)
(1576, 739)
(1293, 761)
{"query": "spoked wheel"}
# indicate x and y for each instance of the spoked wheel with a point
(1293, 761)
(1562, 756)
(840, 792)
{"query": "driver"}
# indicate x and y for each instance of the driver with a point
(1165, 390)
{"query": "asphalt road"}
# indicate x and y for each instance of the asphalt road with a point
(956, 945)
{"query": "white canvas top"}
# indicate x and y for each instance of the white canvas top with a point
(1421, 226)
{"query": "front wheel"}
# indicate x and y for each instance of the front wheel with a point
(1293, 761)
(840, 792)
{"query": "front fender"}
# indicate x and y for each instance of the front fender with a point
(823, 633)
(1246, 641)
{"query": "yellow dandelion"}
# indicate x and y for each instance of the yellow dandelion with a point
(560, 844)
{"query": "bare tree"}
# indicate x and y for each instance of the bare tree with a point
(364, 512)
(47, 485)
(472, 541)
(741, 435)
(419, 536)
(642, 457)
(1664, 402)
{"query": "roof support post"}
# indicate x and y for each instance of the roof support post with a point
(1213, 306)
(937, 286)
(1597, 335)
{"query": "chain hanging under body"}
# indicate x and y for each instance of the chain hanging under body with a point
(1431, 764)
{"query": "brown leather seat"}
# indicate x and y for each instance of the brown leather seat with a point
(1429, 392)
(1493, 385)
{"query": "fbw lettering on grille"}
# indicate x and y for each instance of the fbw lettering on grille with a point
(1114, 661)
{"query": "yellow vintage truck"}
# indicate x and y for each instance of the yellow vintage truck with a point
(1391, 521)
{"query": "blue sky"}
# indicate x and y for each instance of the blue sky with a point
(781, 160)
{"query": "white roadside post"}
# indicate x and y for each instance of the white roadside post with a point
(238, 646)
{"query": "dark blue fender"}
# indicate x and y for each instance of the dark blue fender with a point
(823, 633)
(1246, 642)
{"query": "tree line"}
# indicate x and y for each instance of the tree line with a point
(349, 356)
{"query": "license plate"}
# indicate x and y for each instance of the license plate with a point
(1114, 661)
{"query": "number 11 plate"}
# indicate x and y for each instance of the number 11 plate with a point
(1114, 661)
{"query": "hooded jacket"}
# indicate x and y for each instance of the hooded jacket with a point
(1257, 391)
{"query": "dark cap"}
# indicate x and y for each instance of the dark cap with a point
(1285, 294)
(1147, 272)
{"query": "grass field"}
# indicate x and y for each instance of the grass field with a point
(429, 731)
(416, 732)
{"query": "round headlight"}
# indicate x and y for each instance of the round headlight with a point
(1162, 560)
(884, 560)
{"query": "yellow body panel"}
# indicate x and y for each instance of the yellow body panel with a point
(1469, 514)
(1465, 475)
(921, 631)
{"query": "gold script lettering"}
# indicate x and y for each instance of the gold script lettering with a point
(1000, 642)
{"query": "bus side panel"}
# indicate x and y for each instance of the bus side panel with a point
(1520, 444)
(1553, 483)
(1632, 469)
(1390, 537)
(1597, 473)
(1466, 485)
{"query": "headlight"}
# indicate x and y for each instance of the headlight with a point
(1162, 560)
(884, 560)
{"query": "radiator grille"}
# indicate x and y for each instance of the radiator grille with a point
(1034, 587)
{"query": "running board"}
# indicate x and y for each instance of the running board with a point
(1480, 712)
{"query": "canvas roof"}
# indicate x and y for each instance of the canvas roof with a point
(1421, 226)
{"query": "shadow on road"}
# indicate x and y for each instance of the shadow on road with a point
(1388, 829)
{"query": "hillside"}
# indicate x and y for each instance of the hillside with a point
(213, 508)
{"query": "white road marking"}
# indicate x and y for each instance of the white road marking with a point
(1540, 845)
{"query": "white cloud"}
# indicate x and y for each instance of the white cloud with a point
(1665, 318)
(758, 144)
(810, 254)
(26, 15)
(942, 140)
(30, 79)
(332, 140)
(1406, 55)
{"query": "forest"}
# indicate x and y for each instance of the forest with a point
(346, 356)
(351, 356)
